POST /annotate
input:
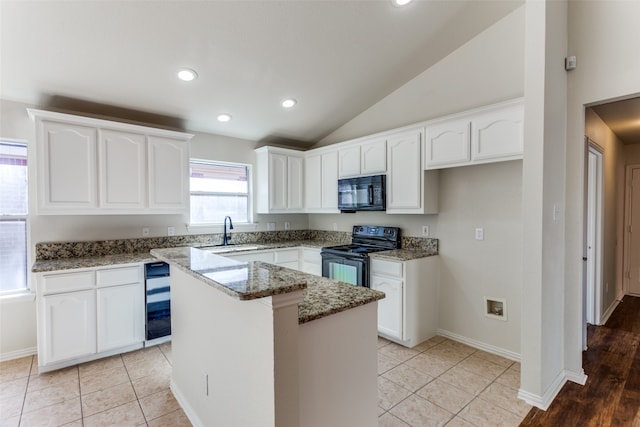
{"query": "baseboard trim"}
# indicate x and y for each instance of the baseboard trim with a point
(609, 312)
(188, 410)
(507, 354)
(18, 354)
(543, 402)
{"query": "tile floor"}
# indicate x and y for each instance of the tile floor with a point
(440, 382)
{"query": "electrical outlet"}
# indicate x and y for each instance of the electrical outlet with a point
(287, 225)
(479, 234)
(335, 227)
(171, 231)
(425, 230)
(145, 232)
(271, 226)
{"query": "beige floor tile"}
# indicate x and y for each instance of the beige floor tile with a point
(158, 404)
(447, 353)
(149, 354)
(173, 419)
(390, 393)
(48, 379)
(152, 384)
(77, 423)
(408, 377)
(510, 378)
(145, 368)
(381, 411)
(104, 379)
(430, 365)
(506, 398)
(16, 368)
(108, 398)
(166, 348)
(417, 411)
(431, 342)
(446, 396)
(465, 380)
(515, 367)
(482, 367)
(485, 414)
(388, 420)
(382, 342)
(460, 347)
(127, 415)
(14, 387)
(97, 366)
(11, 406)
(54, 415)
(386, 363)
(398, 352)
(10, 422)
(459, 422)
(499, 360)
(56, 393)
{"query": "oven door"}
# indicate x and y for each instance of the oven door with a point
(345, 268)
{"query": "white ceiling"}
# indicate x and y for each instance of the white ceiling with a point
(337, 58)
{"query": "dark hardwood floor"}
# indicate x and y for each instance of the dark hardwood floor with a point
(611, 396)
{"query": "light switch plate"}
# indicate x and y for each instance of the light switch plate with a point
(425, 230)
(171, 231)
(287, 225)
(271, 226)
(479, 234)
(145, 232)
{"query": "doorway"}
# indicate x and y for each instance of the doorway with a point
(593, 233)
(631, 276)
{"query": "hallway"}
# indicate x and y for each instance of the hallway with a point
(611, 396)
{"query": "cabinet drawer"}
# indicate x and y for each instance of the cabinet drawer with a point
(386, 268)
(65, 282)
(118, 276)
(286, 256)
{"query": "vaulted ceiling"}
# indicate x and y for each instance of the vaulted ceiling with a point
(336, 58)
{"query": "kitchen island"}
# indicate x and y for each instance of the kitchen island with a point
(255, 344)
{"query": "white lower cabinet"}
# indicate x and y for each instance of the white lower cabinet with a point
(307, 260)
(88, 313)
(311, 261)
(69, 326)
(408, 315)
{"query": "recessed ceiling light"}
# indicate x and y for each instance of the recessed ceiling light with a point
(187, 75)
(224, 117)
(401, 2)
(288, 103)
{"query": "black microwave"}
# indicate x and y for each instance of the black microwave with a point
(365, 193)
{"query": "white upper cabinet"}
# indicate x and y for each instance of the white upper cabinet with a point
(168, 173)
(321, 181)
(409, 189)
(373, 157)
(498, 133)
(367, 157)
(122, 170)
(488, 134)
(67, 168)
(93, 166)
(279, 180)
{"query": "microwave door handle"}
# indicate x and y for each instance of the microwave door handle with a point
(370, 194)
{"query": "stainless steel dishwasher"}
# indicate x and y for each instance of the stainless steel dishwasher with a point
(158, 303)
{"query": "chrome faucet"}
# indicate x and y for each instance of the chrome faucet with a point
(225, 238)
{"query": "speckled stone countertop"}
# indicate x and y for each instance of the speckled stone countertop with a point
(250, 280)
(90, 261)
(402, 254)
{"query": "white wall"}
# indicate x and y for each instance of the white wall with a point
(601, 36)
(613, 178)
(489, 68)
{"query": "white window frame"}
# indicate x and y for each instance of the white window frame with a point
(27, 293)
(201, 227)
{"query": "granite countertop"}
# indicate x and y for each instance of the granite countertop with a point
(250, 280)
(86, 262)
(401, 254)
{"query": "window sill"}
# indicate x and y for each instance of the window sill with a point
(21, 297)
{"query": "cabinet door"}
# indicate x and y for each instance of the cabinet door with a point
(498, 134)
(168, 174)
(120, 314)
(278, 185)
(447, 143)
(295, 183)
(68, 323)
(330, 181)
(311, 261)
(390, 313)
(313, 181)
(67, 172)
(406, 176)
(264, 256)
(122, 159)
(373, 156)
(349, 161)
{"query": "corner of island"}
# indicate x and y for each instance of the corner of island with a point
(256, 344)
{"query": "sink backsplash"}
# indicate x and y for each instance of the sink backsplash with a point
(56, 250)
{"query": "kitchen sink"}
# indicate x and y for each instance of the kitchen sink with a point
(229, 248)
